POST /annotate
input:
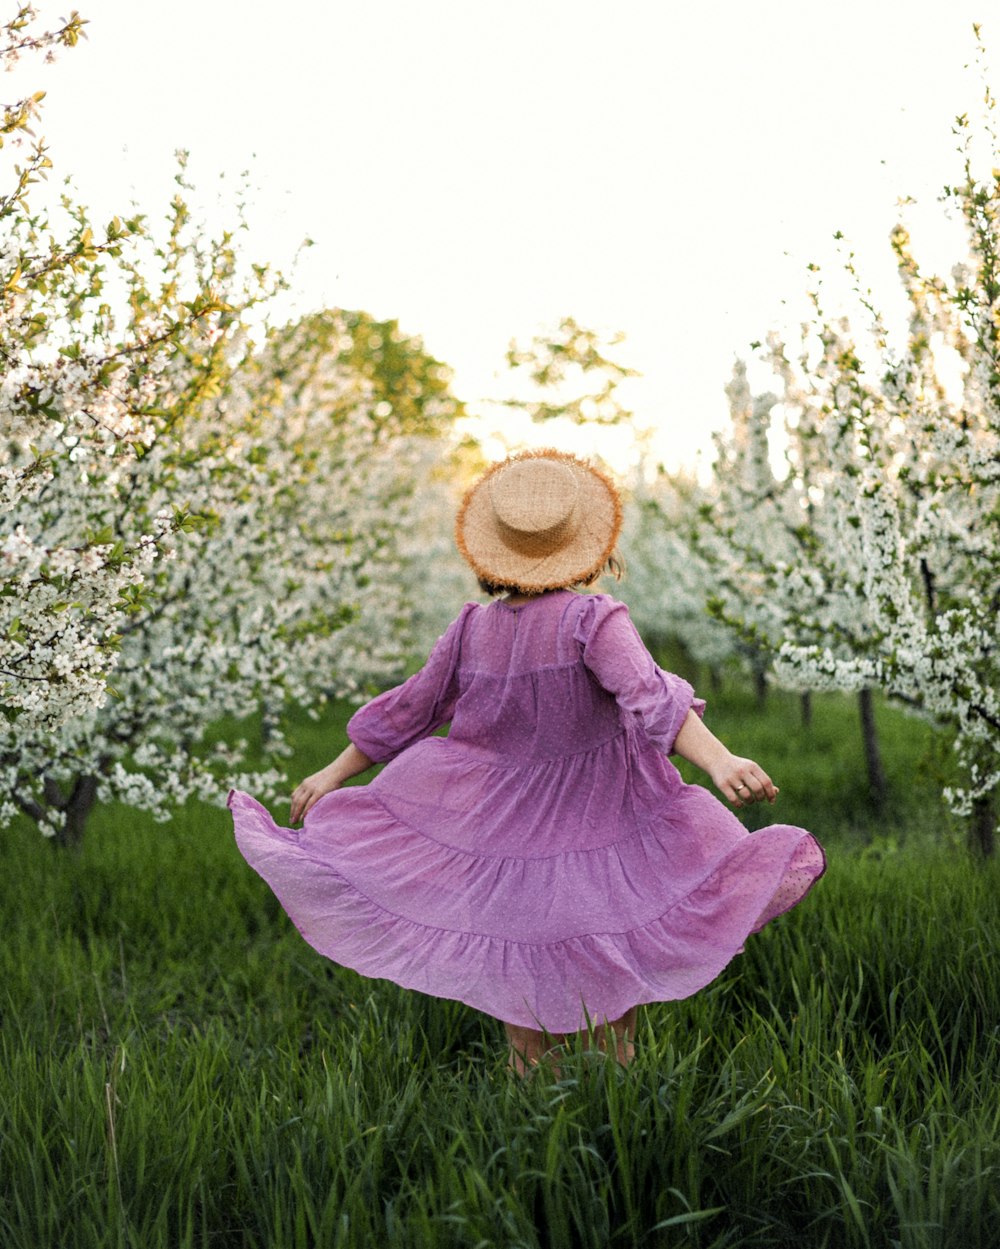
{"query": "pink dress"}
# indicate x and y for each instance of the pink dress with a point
(544, 862)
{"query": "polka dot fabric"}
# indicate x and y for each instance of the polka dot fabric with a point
(544, 863)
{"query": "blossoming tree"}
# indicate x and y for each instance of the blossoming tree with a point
(893, 503)
(667, 583)
(194, 524)
(913, 491)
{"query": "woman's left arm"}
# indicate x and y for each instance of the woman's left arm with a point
(740, 781)
(350, 762)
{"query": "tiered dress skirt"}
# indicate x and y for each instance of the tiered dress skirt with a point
(544, 862)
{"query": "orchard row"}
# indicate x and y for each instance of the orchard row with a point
(204, 514)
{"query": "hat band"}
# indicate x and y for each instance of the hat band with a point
(538, 543)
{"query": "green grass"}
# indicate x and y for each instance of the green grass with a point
(177, 1068)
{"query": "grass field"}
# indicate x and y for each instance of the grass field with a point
(177, 1068)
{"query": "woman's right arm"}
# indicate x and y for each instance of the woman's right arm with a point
(740, 781)
(665, 703)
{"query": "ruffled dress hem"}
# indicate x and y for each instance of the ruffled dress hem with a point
(559, 985)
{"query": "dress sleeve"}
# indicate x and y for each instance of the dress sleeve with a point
(403, 715)
(616, 656)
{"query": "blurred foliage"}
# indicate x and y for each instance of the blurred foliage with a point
(410, 389)
(577, 376)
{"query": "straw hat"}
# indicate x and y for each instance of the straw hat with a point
(539, 520)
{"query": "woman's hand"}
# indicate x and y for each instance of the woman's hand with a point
(350, 762)
(741, 781)
(309, 791)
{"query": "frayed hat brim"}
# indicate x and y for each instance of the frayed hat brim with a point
(578, 561)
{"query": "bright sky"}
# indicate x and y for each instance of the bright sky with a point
(480, 168)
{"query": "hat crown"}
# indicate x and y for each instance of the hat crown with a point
(534, 496)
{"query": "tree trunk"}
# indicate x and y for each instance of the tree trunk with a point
(982, 828)
(877, 785)
(760, 684)
(714, 679)
(806, 708)
(78, 807)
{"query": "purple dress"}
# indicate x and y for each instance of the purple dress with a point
(544, 862)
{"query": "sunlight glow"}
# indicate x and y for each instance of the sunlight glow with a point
(478, 171)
